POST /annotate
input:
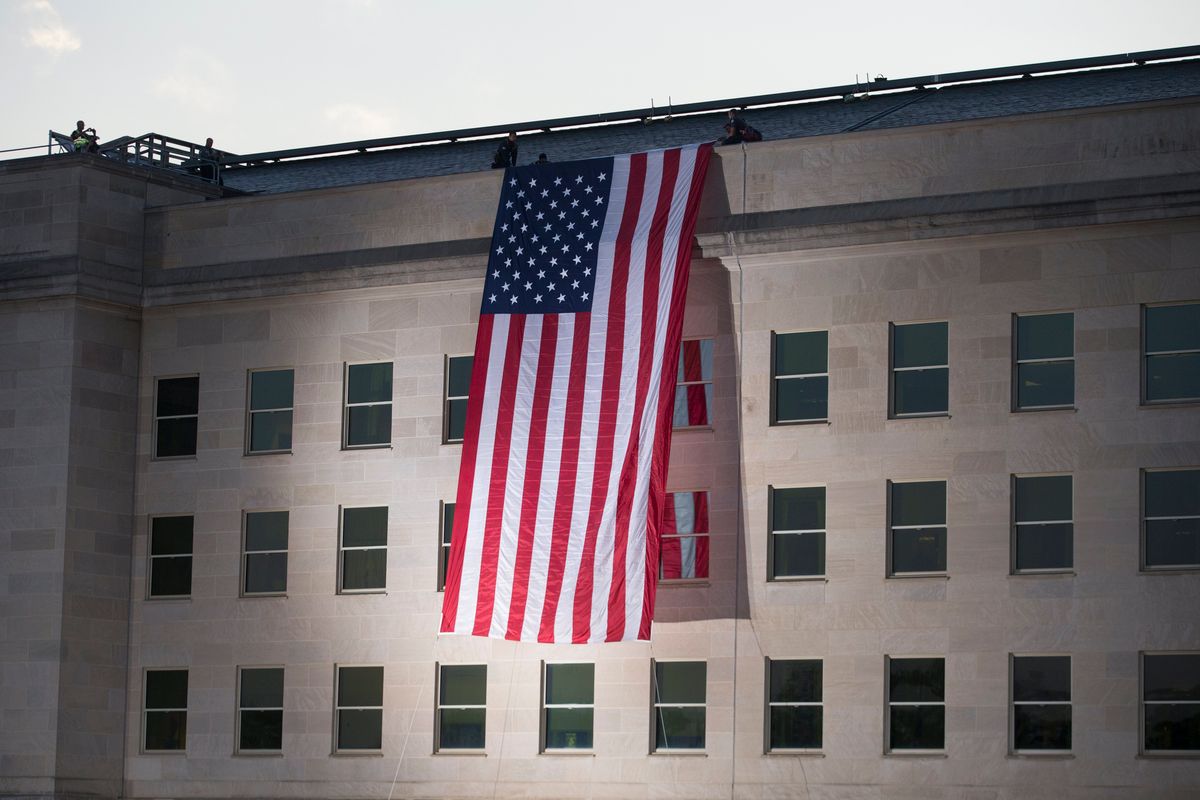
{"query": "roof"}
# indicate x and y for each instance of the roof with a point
(917, 106)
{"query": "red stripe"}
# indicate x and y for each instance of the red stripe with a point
(496, 485)
(466, 472)
(534, 462)
(701, 556)
(568, 466)
(672, 558)
(609, 396)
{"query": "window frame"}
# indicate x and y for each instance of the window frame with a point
(771, 532)
(1017, 362)
(543, 749)
(768, 704)
(446, 396)
(245, 560)
(154, 456)
(655, 707)
(347, 405)
(251, 411)
(888, 749)
(1014, 568)
(238, 709)
(1142, 750)
(1145, 355)
(341, 550)
(337, 749)
(438, 707)
(443, 544)
(697, 581)
(1143, 566)
(1013, 703)
(891, 572)
(147, 710)
(773, 420)
(150, 557)
(679, 384)
(893, 369)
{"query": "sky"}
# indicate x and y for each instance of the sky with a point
(260, 75)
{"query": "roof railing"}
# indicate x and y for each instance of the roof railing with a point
(151, 150)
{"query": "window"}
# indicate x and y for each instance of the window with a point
(363, 549)
(1041, 697)
(797, 530)
(568, 706)
(164, 724)
(444, 548)
(693, 384)
(1171, 358)
(170, 556)
(1042, 526)
(368, 421)
(917, 535)
(458, 386)
(260, 709)
(916, 704)
(1171, 519)
(461, 707)
(920, 370)
(269, 428)
(799, 377)
(679, 690)
(684, 548)
(1044, 361)
(359, 714)
(1171, 702)
(265, 557)
(794, 706)
(176, 416)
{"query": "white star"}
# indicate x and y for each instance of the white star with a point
(528, 206)
(602, 176)
(542, 250)
(587, 189)
(516, 215)
(520, 251)
(558, 181)
(504, 286)
(540, 215)
(537, 298)
(524, 228)
(532, 263)
(496, 274)
(521, 193)
(570, 226)
(574, 284)
(599, 199)
(574, 204)
(499, 251)
(579, 235)
(516, 276)
(512, 182)
(587, 271)
(585, 296)
(535, 238)
(554, 204)
(541, 273)
(579, 179)
(562, 215)
(587, 246)
(528, 286)
(545, 192)
(563, 274)
(557, 237)
(492, 298)
(508, 204)
(577, 260)
(507, 263)
(549, 228)
(533, 182)
(567, 248)
(511, 239)
(595, 222)
(513, 299)
(562, 297)
(504, 227)
(554, 262)
(585, 213)
(551, 287)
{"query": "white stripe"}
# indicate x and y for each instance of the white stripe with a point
(556, 419)
(514, 481)
(468, 587)
(685, 511)
(687, 557)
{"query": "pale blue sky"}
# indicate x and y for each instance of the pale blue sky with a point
(265, 74)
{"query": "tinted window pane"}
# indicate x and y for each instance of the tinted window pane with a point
(461, 728)
(464, 685)
(1171, 677)
(1041, 678)
(918, 727)
(360, 686)
(801, 399)
(1173, 327)
(170, 536)
(800, 509)
(795, 727)
(1042, 727)
(922, 503)
(166, 688)
(1046, 336)
(267, 530)
(262, 688)
(679, 681)
(458, 382)
(921, 391)
(1173, 494)
(369, 425)
(447, 521)
(692, 403)
(369, 383)
(1045, 546)
(1172, 542)
(1171, 727)
(363, 527)
(271, 430)
(1173, 377)
(569, 683)
(170, 576)
(920, 345)
(919, 550)
(178, 397)
(166, 730)
(261, 730)
(695, 360)
(795, 682)
(568, 728)
(266, 573)
(1051, 384)
(456, 419)
(797, 554)
(679, 728)
(916, 680)
(176, 437)
(271, 389)
(364, 569)
(801, 353)
(360, 729)
(1043, 498)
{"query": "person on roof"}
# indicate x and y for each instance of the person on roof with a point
(542, 160)
(84, 139)
(209, 160)
(506, 153)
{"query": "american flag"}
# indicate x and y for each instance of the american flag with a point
(560, 493)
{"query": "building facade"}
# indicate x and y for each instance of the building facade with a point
(935, 483)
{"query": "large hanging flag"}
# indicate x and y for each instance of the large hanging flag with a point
(560, 492)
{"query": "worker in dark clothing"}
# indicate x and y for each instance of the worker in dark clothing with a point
(84, 139)
(208, 160)
(736, 121)
(732, 135)
(542, 160)
(506, 153)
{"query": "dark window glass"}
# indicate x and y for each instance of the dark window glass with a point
(171, 556)
(260, 709)
(271, 389)
(176, 437)
(360, 708)
(368, 404)
(679, 712)
(917, 680)
(266, 558)
(916, 707)
(176, 421)
(918, 527)
(1041, 690)
(462, 702)
(1171, 524)
(458, 386)
(364, 548)
(271, 398)
(800, 381)
(920, 369)
(165, 722)
(569, 728)
(1045, 361)
(568, 706)
(693, 384)
(178, 397)
(797, 532)
(794, 704)
(1043, 530)
(444, 548)
(1172, 352)
(1171, 702)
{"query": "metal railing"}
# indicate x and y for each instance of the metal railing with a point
(152, 150)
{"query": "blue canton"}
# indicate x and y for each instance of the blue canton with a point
(547, 237)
